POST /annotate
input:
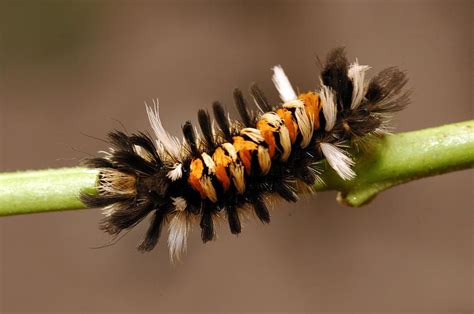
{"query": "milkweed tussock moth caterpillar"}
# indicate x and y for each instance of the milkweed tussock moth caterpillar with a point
(230, 167)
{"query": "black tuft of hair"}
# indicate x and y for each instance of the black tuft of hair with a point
(260, 208)
(190, 137)
(97, 163)
(206, 129)
(242, 108)
(359, 124)
(103, 200)
(383, 90)
(260, 98)
(125, 216)
(130, 162)
(286, 190)
(304, 170)
(154, 230)
(222, 121)
(120, 141)
(145, 142)
(207, 224)
(334, 75)
(233, 218)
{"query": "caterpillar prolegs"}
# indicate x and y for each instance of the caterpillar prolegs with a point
(228, 170)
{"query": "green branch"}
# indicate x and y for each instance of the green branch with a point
(403, 157)
(389, 161)
(44, 190)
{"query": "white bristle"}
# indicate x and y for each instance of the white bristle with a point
(176, 173)
(211, 166)
(170, 144)
(356, 73)
(338, 160)
(254, 134)
(179, 203)
(178, 235)
(329, 107)
(285, 142)
(208, 188)
(283, 85)
(272, 118)
(305, 125)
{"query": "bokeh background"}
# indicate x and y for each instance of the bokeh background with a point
(74, 69)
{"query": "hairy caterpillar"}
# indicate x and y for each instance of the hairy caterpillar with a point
(229, 170)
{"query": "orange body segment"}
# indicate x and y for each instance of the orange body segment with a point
(312, 106)
(244, 149)
(222, 161)
(290, 124)
(267, 134)
(197, 168)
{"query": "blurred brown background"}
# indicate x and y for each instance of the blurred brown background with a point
(69, 68)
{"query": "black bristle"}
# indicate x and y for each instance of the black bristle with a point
(146, 143)
(191, 208)
(154, 230)
(190, 137)
(260, 98)
(383, 89)
(120, 141)
(131, 162)
(287, 191)
(359, 124)
(103, 200)
(221, 119)
(158, 183)
(334, 75)
(260, 208)
(233, 218)
(305, 170)
(125, 215)
(207, 224)
(97, 163)
(241, 105)
(206, 129)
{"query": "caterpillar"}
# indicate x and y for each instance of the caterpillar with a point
(229, 170)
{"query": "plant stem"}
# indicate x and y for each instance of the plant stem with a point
(396, 159)
(388, 161)
(44, 190)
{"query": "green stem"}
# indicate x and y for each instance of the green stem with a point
(44, 190)
(396, 159)
(389, 161)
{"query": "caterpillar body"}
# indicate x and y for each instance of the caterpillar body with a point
(229, 170)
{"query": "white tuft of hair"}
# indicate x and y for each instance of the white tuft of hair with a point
(283, 85)
(170, 143)
(211, 166)
(208, 188)
(285, 142)
(116, 182)
(230, 149)
(109, 210)
(238, 179)
(264, 160)
(176, 173)
(145, 154)
(328, 104)
(356, 73)
(272, 118)
(178, 235)
(179, 203)
(294, 104)
(305, 125)
(254, 134)
(338, 160)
